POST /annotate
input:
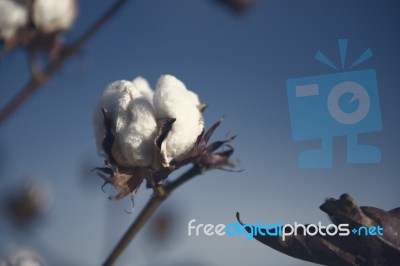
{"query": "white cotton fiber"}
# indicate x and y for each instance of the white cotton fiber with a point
(115, 100)
(12, 17)
(172, 100)
(135, 126)
(138, 137)
(143, 87)
(194, 98)
(54, 15)
(138, 114)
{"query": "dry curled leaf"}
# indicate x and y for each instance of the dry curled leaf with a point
(345, 250)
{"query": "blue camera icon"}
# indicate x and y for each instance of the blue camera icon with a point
(339, 104)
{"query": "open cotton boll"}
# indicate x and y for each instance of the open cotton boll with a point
(143, 87)
(147, 136)
(137, 139)
(54, 15)
(172, 100)
(13, 16)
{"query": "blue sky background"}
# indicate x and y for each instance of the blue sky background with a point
(239, 66)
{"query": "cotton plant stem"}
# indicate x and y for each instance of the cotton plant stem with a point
(39, 80)
(161, 194)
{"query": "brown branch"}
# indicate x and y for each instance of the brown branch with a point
(36, 82)
(160, 194)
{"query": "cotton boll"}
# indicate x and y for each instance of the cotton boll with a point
(143, 87)
(138, 137)
(13, 16)
(54, 15)
(25, 257)
(172, 100)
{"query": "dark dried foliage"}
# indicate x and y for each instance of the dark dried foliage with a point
(346, 250)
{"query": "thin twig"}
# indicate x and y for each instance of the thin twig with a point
(36, 82)
(161, 193)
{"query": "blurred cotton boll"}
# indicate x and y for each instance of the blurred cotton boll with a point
(173, 100)
(163, 226)
(13, 16)
(238, 6)
(36, 25)
(28, 203)
(54, 15)
(23, 257)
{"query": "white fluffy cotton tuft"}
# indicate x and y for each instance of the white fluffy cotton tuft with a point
(115, 99)
(135, 123)
(194, 98)
(139, 113)
(54, 15)
(143, 87)
(13, 16)
(138, 137)
(173, 100)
